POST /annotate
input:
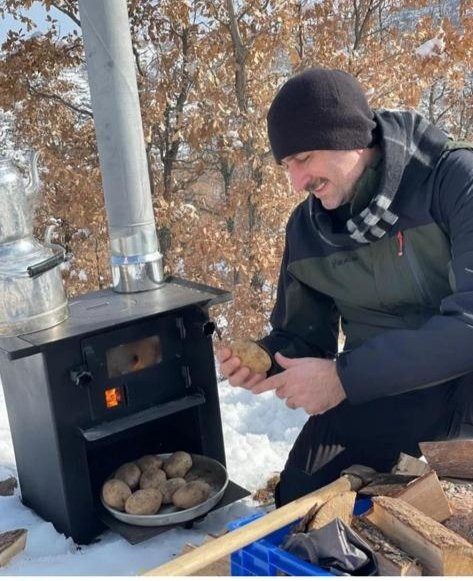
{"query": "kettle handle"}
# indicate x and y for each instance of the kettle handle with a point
(32, 183)
(41, 267)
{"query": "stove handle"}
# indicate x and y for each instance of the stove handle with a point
(80, 376)
(41, 267)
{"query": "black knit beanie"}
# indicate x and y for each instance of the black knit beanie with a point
(319, 109)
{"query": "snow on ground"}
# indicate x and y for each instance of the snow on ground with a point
(258, 433)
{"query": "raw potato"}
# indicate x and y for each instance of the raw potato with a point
(178, 465)
(144, 502)
(115, 493)
(148, 461)
(251, 355)
(169, 487)
(152, 478)
(192, 494)
(130, 474)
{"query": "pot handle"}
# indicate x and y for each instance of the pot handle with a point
(41, 267)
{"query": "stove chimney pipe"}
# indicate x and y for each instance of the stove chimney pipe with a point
(135, 257)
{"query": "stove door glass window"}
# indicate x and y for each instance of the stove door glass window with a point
(134, 356)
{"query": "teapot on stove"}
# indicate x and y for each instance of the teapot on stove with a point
(31, 290)
(17, 198)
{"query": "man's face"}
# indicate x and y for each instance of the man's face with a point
(329, 175)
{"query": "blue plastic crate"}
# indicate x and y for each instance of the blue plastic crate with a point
(265, 558)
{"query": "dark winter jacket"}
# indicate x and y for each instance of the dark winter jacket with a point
(404, 301)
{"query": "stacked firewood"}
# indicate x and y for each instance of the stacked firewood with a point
(421, 519)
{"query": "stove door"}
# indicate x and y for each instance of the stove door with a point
(135, 367)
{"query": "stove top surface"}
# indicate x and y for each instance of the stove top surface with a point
(105, 309)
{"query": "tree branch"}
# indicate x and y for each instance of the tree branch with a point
(59, 99)
(239, 52)
(67, 11)
(446, 110)
(361, 23)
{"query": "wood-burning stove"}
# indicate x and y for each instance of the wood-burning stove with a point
(125, 375)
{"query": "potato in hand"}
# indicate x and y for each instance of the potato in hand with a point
(251, 355)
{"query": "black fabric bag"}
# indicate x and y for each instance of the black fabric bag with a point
(335, 547)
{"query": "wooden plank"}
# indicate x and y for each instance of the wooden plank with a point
(219, 568)
(11, 543)
(392, 560)
(218, 548)
(410, 465)
(340, 506)
(427, 495)
(438, 549)
(450, 458)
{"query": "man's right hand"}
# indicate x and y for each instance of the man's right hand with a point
(238, 376)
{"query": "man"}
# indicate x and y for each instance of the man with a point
(383, 245)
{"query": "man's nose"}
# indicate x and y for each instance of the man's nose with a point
(298, 177)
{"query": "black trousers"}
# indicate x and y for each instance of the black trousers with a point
(374, 434)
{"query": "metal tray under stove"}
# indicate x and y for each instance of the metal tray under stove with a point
(203, 468)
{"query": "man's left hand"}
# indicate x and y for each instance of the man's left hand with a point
(306, 382)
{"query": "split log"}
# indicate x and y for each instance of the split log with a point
(450, 458)
(460, 498)
(340, 506)
(11, 543)
(392, 560)
(424, 492)
(387, 485)
(7, 486)
(438, 549)
(427, 495)
(410, 465)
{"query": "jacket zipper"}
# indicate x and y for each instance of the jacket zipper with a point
(406, 249)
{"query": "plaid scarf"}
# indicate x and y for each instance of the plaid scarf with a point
(411, 146)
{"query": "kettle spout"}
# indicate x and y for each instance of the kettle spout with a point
(32, 183)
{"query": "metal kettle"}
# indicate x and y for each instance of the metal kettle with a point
(17, 198)
(32, 295)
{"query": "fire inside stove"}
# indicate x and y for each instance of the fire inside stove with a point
(133, 356)
(113, 397)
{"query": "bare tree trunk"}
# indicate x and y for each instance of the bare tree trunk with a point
(300, 32)
(362, 16)
(239, 52)
(168, 144)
